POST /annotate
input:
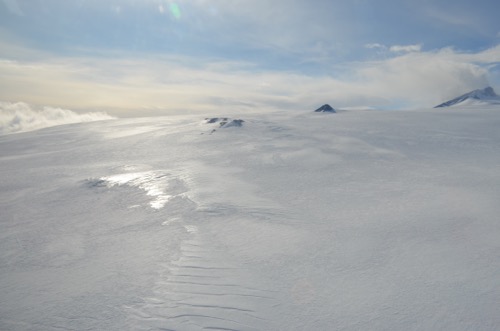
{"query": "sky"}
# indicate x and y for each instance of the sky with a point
(141, 57)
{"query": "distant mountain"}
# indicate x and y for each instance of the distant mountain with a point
(483, 95)
(326, 108)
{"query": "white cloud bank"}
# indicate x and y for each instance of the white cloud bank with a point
(20, 117)
(423, 79)
(141, 86)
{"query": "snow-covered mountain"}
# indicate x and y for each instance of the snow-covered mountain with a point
(276, 221)
(486, 95)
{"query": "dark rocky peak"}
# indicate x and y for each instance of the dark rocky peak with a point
(326, 108)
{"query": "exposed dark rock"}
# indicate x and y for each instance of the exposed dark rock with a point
(326, 108)
(224, 122)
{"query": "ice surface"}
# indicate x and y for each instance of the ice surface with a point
(364, 220)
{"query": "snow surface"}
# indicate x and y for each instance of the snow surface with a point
(369, 220)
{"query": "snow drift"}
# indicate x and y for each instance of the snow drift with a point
(19, 117)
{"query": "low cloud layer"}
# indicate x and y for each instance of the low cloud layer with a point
(130, 85)
(20, 117)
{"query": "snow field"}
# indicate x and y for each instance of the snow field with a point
(355, 220)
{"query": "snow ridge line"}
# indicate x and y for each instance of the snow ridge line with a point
(198, 292)
(204, 289)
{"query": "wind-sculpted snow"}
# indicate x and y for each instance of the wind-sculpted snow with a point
(156, 184)
(19, 117)
(204, 287)
(293, 221)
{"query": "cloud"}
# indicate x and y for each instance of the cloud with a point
(126, 84)
(412, 79)
(20, 117)
(421, 79)
(406, 48)
(375, 46)
(395, 48)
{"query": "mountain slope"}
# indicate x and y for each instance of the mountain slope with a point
(486, 95)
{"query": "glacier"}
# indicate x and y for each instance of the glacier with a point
(379, 220)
